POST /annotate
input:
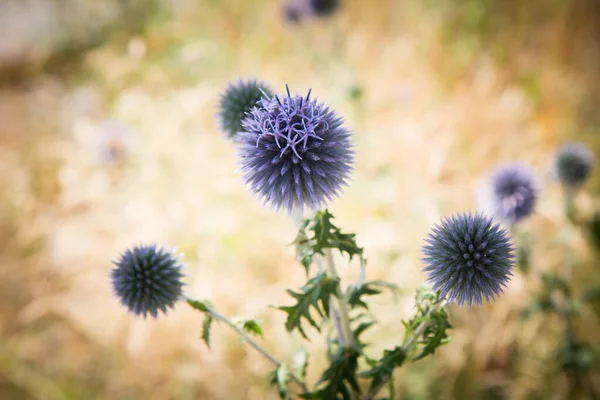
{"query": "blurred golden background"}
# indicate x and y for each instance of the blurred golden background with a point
(108, 138)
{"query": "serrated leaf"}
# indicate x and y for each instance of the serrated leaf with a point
(370, 288)
(199, 305)
(206, 325)
(325, 235)
(435, 334)
(249, 325)
(339, 379)
(314, 295)
(383, 369)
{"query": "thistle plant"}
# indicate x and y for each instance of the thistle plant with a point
(296, 154)
(572, 165)
(557, 297)
(510, 195)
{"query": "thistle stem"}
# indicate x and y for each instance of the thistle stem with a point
(255, 345)
(406, 348)
(345, 333)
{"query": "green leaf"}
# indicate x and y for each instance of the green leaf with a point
(198, 305)
(280, 379)
(591, 294)
(339, 380)
(370, 288)
(435, 320)
(542, 304)
(325, 235)
(524, 253)
(435, 334)
(315, 294)
(249, 325)
(384, 368)
(206, 329)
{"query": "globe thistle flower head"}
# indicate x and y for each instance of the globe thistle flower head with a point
(468, 257)
(324, 7)
(237, 99)
(511, 193)
(147, 279)
(573, 164)
(295, 152)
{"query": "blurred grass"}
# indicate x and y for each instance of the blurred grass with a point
(117, 144)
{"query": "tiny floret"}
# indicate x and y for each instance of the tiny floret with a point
(295, 152)
(147, 279)
(467, 258)
(237, 100)
(511, 193)
(573, 164)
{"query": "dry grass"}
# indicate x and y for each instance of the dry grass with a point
(127, 150)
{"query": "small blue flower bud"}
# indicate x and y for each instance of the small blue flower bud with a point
(468, 257)
(573, 164)
(147, 279)
(511, 193)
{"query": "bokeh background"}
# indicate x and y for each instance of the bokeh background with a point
(108, 137)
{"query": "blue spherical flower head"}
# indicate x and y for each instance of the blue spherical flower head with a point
(295, 152)
(511, 193)
(468, 258)
(147, 279)
(237, 100)
(324, 7)
(573, 164)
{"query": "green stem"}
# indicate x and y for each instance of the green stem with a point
(407, 347)
(255, 345)
(346, 337)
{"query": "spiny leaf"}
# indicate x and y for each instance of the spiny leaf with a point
(206, 329)
(198, 305)
(370, 288)
(325, 235)
(435, 320)
(384, 368)
(315, 294)
(249, 325)
(435, 334)
(339, 380)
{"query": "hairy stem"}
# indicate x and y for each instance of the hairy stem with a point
(407, 347)
(255, 345)
(346, 337)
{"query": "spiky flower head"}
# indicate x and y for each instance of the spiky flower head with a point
(468, 257)
(147, 279)
(511, 192)
(237, 100)
(295, 152)
(324, 7)
(573, 164)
